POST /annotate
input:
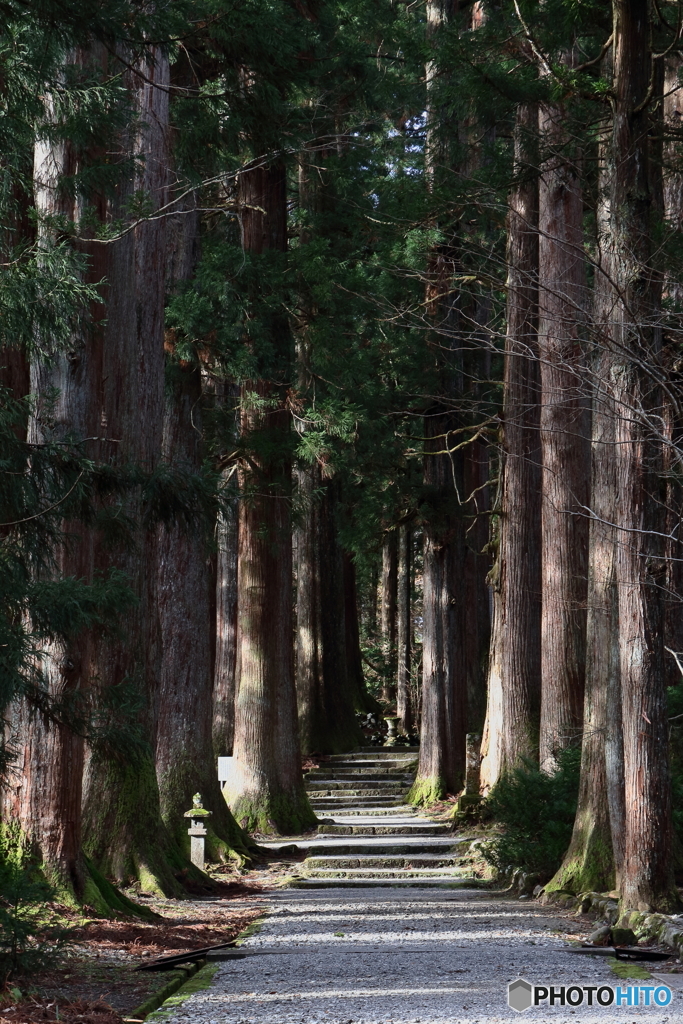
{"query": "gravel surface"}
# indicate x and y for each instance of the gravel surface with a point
(407, 957)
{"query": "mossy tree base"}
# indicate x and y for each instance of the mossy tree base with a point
(125, 838)
(274, 814)
(427, 791)
(225, 841)
(588, 866)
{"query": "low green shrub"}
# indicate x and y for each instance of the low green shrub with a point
(31, 934)
(535, 812)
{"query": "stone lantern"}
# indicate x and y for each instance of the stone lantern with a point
(197, 831)
(392, 721)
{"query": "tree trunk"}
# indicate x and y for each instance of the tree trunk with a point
(673, 294)
(184, 750)
(564, 441)
(327, 717)
(124, 834)
(647, 882)
(362, 700)
(404, 630)
(477, 565)
(266, 791)
(441, 766)
(595, 855)
(388, 603)
(513, 706)
(224, 692)
(226, 395)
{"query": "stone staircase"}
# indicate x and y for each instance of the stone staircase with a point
(369, 836)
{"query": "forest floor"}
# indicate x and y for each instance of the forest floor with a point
(93, 981)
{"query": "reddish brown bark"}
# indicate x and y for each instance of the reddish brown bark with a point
(477, 596)
(325, 697)
(123, 830)
(266, 792)
(404, 631)
(647, 881)
(564, 439)
(184, 749)
(45, 800)
(514, 678)
(225, 671)
(441, 766)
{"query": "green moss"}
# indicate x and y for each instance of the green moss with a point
(225, 842)
(275, 814)
(126, 839)
(201, 981)
(426, 791)
(588, 869)
(112, 899)
(172, 982)
(623, 969)
(252, 928)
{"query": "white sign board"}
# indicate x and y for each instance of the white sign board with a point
(224, 769)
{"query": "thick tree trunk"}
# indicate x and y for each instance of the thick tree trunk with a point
(123, 830)
(673, 294)
(225, 671)
(404, 630)
(441, 766)
(647, 881)
(327, 717)
(266, 791)
(184, 702)
(388, 607)
(564, 441)
(477, 565)
(45, 798)
(595, 855)
(226, 396)
(513, 706)
(184, 749)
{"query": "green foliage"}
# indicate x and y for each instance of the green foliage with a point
(31, 935)
(535, 812)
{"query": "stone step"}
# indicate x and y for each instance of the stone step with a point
(334, 782)
(396, 814)
(401, 829)
(387, 750)
(327, 806)
(373, 794)
(348, 774)
(359, 846)
(364, 761)
(386, 874)
(348, 800)
(384, 883)
(383, 861)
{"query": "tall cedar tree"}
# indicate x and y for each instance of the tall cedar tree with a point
(515, 661)
(441, 765)
(266, 790)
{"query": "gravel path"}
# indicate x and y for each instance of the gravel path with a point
(416, 956)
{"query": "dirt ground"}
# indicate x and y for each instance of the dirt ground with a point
(95, 982)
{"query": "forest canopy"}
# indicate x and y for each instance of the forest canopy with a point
(340, 367)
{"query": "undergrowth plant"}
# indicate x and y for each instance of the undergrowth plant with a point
(535, 811)
(31, 935)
